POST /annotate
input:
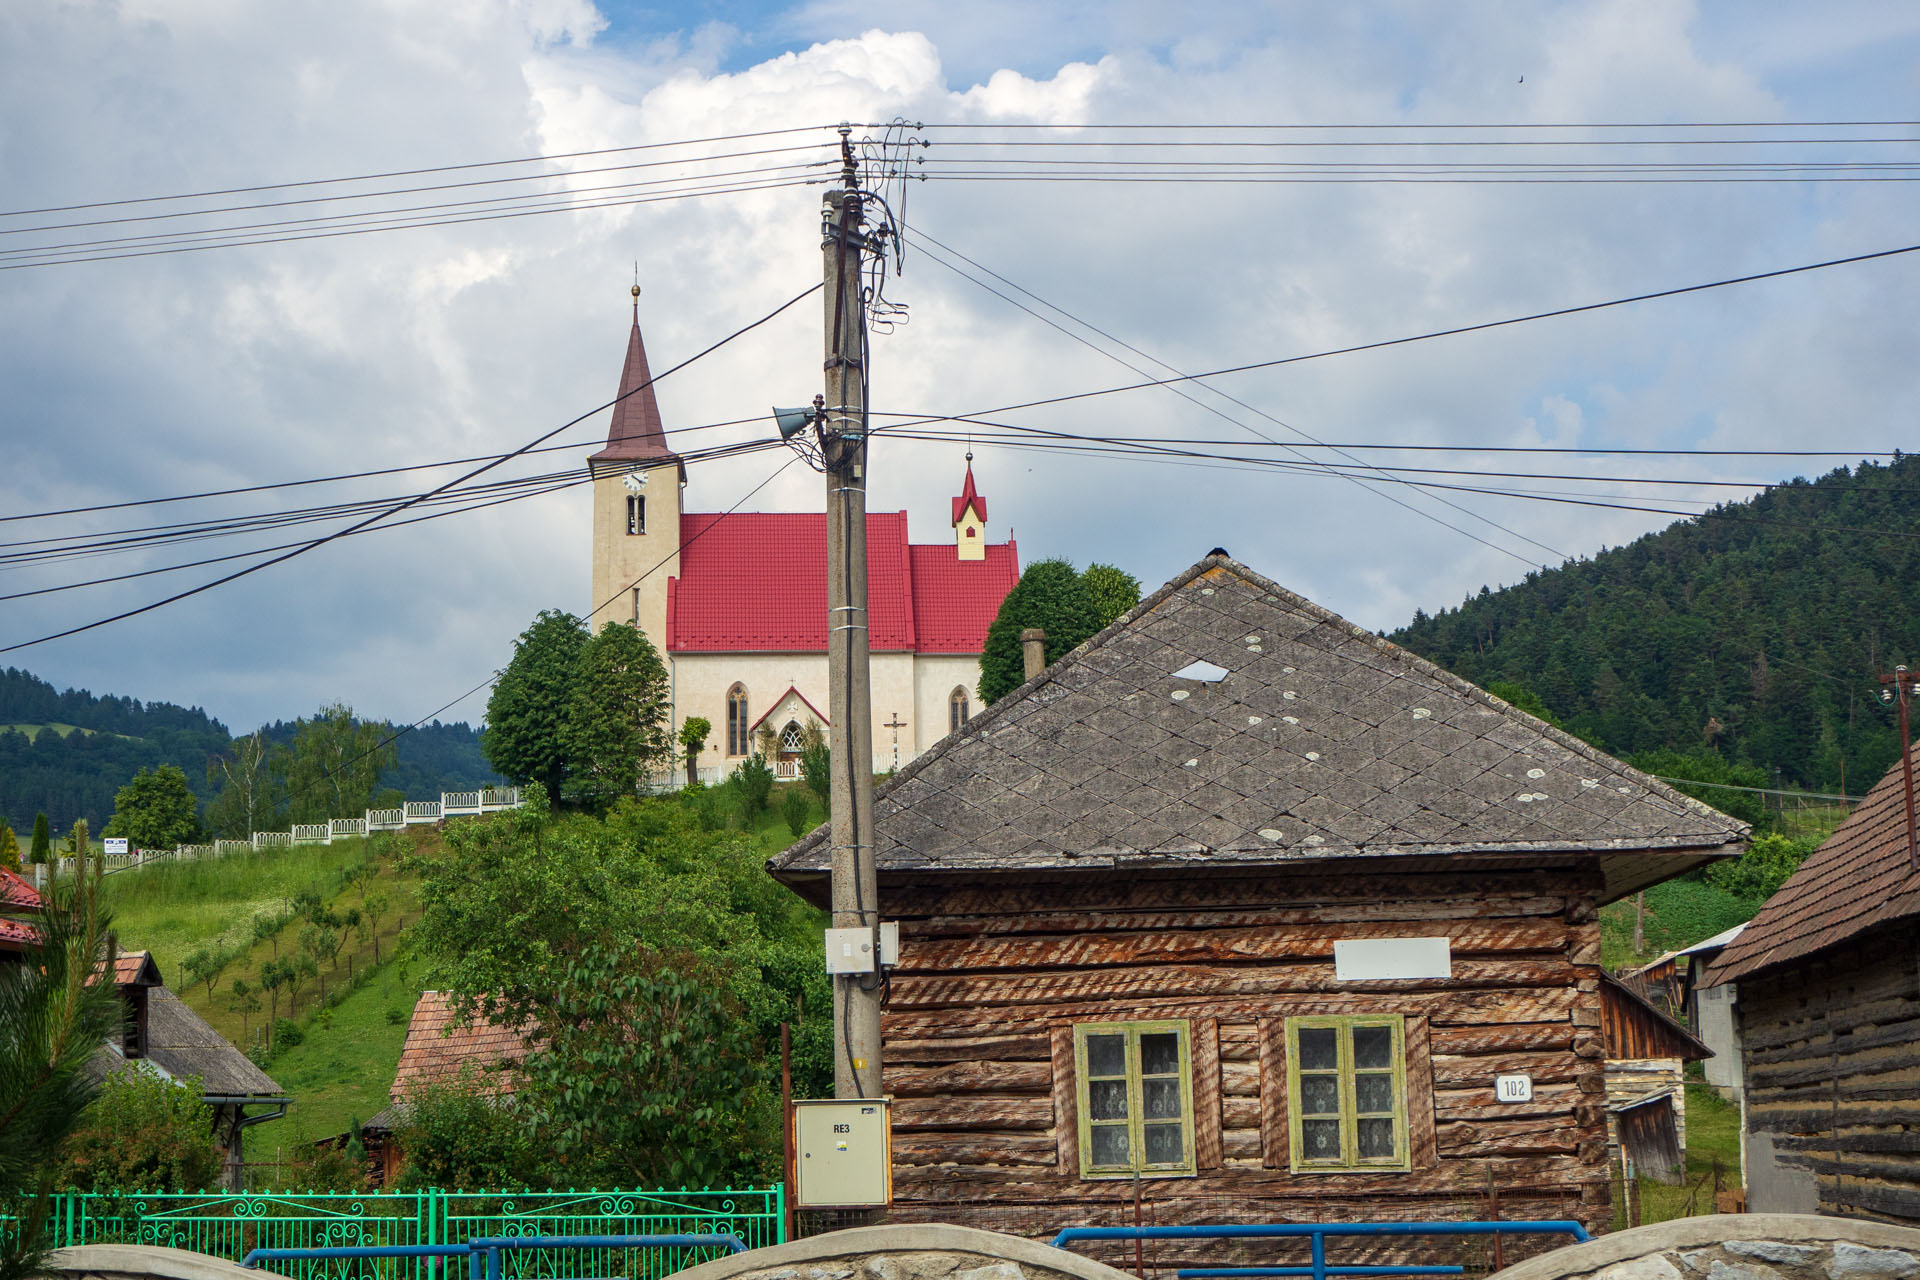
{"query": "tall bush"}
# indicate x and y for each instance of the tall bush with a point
(143, 1133)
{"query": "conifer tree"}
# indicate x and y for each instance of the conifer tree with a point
(42, 839)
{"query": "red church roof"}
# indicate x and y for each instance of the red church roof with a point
(757, 582)
(636, 433)
(16, 894)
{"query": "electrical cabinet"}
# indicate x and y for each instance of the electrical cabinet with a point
(842, 1153)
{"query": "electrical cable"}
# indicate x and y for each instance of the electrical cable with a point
(395, 510)
(1184, 394)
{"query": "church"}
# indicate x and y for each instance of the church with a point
(737, 605)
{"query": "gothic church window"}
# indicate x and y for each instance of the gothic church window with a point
(958, 711)
(792, 739)
(738, 736)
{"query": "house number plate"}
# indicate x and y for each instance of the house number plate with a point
(1513, 1088)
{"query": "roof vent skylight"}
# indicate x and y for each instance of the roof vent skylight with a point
(1201, 671)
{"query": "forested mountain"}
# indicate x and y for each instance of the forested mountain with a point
(1754, 632)
(75, 774)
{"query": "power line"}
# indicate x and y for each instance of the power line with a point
(926, 239)
(1456, 331)
(411, 173)
(394, 510)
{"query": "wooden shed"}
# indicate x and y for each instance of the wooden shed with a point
(1828, 1017)
(1243, 910)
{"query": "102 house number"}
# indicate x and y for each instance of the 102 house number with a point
(1513, 1088)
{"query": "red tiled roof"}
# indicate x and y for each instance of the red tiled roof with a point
(757, 582)
(437, 1049)
(969, 497)
(635, 434)
(132, 969)
(955, 600)
(15, 935)
(1861, 877)
(17, 894)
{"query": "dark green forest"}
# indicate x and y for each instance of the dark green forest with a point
(76, 776)
(1754, 633)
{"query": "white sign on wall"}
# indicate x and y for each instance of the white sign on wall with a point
(1513, 1088)
(1377, 959)
(116, 844)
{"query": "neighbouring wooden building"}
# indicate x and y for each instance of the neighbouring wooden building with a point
(440, 1050)
(1647, 1056)
(1243, 909)
(1828, 975)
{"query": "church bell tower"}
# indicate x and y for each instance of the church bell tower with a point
(637, 482)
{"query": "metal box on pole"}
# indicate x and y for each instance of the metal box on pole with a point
(842, 1153)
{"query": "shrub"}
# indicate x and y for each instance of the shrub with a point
(753, 781)
(794, 808)
(143, 1133)
(287, 1033)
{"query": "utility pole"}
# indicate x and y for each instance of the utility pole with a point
(843, 445)
(1901, 686)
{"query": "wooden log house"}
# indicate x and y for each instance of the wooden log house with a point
(1242, 909)
(1827, 1009)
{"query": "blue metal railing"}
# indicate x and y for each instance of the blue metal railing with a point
(1316, 1234)
(484, 1256)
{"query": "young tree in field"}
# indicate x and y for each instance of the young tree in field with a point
(42, 850)
(373, 907)
(527, 713)
(9, 849)
(243, 1000)
(617, 729)
(251, 796)
(156, 810)
(1112, 591)
(334, 764)
(694, 731)
(273, 976)
(1049, 595)
(320, 944)
(205, 965)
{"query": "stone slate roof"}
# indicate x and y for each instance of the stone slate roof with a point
(1861, 878)
(180, 1043)
(1319, 741)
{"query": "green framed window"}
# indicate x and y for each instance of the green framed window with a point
(1347, 1093)
(1135, 1088)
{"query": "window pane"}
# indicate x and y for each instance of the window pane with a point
(1109, 1145)
(1320, 1139)
(1161, 1099)
(1319, 1095)
(1318, 1051)
(1164, 1145)
(1372, 1047)
(1160, 1054)
(1107, 1099)
(1373, 1092)
(1106, 1055)
(1376, 1139)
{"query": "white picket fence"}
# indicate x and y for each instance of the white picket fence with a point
(451, 804)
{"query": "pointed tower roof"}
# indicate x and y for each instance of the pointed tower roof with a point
(969, 497)
(636, 434)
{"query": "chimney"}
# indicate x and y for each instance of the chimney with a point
(1033, 645)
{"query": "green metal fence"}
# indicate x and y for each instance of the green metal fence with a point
(229, 1225)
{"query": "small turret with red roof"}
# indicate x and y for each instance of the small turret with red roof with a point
(970, 519)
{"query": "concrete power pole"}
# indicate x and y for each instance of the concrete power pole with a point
(856, 885)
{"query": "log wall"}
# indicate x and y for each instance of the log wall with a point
(1832, 1060)
(993, 978)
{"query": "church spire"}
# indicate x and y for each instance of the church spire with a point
(970, 519)
(636, 433)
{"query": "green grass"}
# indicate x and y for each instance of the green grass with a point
(1713, 1144)
(34, 730)
(342, 1069)
(1679, 914)
(174, 908)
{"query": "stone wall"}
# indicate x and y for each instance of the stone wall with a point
(1755, 1246)
(142, 1262)
(916, 1252)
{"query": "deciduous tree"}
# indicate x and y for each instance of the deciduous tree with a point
(1111, 590)
(156, 810)
(1049, 595)
(251, 796)
(143, 1133)
(617, 729)
(694, 731)
(527, 712)
(334, 764)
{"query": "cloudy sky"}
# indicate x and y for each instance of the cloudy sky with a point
(144, 377)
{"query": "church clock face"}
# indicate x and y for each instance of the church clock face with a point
(634, 481)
